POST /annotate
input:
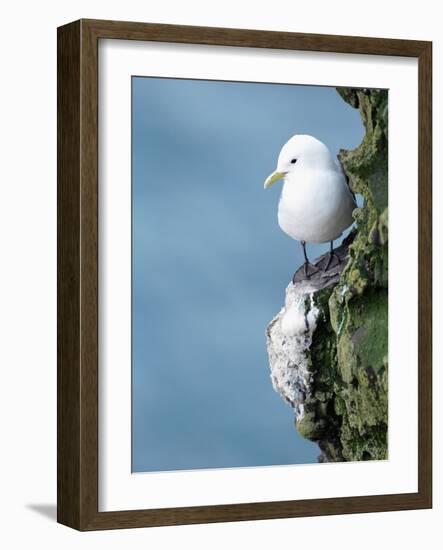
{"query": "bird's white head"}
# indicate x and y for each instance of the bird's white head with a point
(300, 150)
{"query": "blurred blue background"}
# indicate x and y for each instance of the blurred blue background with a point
(210, 266)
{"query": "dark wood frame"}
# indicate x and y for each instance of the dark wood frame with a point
(77, 456)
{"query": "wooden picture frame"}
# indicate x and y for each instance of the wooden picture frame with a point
(77, 457)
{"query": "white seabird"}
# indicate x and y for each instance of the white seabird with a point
(316, 203)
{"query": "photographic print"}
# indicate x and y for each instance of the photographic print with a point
(226, 267)
(259, 274)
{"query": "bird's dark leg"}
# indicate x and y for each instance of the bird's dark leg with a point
(331, 255)
(307, 263)
(303, 245)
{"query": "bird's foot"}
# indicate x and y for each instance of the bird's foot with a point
(308, 269)
(330, 261)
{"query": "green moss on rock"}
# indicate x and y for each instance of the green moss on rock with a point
(347, 412)
(360, 299)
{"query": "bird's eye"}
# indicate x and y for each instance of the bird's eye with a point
(293, 161)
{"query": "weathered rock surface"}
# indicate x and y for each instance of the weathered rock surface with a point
(328, 346)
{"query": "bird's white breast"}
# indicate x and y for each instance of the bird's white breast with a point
(315, 205)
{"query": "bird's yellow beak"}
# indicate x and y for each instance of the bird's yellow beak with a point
(273, 178)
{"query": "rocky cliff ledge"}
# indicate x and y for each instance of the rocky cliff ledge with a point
(328, 346)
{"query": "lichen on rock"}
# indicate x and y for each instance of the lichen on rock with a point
(328, 347)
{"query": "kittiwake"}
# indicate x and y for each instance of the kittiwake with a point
(316, 202)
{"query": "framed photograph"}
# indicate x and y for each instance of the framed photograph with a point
(244, 274)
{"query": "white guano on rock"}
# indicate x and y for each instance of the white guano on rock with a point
(289, 337)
